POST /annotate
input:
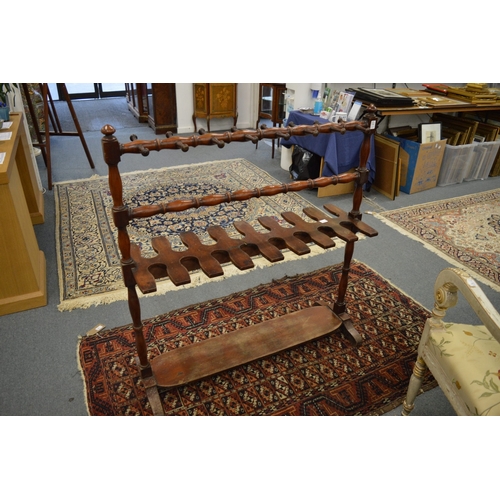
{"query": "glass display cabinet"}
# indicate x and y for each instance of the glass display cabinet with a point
(271, 105)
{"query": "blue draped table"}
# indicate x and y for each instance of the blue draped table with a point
(340, 152)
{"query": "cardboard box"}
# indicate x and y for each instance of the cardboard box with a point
(336, 189)
(388, 162)
(420, 164)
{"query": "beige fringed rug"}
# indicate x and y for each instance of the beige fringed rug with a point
(465, 231)
(88, 256)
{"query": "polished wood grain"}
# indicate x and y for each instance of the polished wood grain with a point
(203, 359)
(241, 346)
(154, 104)
(215, 100)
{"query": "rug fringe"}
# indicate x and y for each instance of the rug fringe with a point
(82, 374)
(434, 250)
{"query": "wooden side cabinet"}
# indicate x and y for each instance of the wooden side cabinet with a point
(215, 100)
(162, 107)
(137, 100)
(154, 104)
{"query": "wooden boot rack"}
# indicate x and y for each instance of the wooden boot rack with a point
(196, 361)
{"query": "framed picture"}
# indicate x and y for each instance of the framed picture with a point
(381, 92)
(429, 132)
(382, 97)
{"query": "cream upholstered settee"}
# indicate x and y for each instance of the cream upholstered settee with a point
(464, 359)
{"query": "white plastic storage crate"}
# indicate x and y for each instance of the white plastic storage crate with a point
(482, 160)
(456, 164)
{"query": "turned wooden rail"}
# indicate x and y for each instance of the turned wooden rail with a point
(240, 195)
(239, 135)
(206, 358)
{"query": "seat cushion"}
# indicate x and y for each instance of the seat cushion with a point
(470, 357)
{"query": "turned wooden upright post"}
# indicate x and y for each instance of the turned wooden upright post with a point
(362, 178)
(111, 152)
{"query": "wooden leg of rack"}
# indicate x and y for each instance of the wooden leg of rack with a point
(340, 307)
(349, 329)
(146, 372)
(153, 396)
(347, 326)
(140, 341)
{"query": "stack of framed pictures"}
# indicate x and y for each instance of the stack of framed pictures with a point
(382, 97)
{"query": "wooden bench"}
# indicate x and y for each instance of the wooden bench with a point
(193, 362)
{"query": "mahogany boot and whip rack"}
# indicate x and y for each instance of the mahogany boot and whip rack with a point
(202, 359)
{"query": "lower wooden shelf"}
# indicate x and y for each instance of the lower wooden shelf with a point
(203, 359)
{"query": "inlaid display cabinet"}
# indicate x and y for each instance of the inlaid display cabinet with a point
(215, 100)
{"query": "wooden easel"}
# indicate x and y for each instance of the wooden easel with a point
(52, 119)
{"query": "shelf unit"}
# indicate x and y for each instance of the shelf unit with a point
(22, 264)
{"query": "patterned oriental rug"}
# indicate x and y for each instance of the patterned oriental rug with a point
(322, 377)
(465, 231)
(88, 256)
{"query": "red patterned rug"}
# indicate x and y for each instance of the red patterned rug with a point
(464, 231)
(323, 377)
